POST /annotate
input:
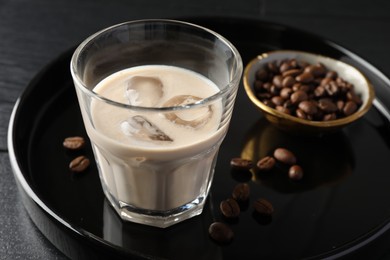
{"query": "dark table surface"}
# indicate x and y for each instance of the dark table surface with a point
(34, 32)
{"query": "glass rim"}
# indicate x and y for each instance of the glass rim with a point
(222, 91)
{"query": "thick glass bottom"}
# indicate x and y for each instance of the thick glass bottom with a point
(156, 218)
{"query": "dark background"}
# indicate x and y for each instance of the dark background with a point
(32, 33)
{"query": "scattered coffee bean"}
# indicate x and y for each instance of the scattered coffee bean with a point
(221, 232)
(241, 164)
(241, 192)
(295, 172)
(266, 163)
(263, 207)
(79, 164)
(285, 156)
(303, 85)
(74, 143)
(230, 208)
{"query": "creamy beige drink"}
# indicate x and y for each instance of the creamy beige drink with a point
(149, 160)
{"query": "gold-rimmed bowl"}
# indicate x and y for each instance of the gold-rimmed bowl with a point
(291, 123)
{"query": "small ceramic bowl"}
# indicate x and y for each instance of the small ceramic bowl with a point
(290, 123)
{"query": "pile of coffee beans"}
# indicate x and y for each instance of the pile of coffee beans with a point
(307, 91)
(80, 163)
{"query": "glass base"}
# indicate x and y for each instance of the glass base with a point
(161, 219)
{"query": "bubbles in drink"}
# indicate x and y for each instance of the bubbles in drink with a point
(195, 117)
(144, 91)
(142, 129)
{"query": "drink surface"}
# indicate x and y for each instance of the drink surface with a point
(156, 86)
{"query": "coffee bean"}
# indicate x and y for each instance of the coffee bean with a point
(277, 100)
(79, 164)
(278, 81)
(266, 163)
(241, 164)
(283, 109)
(295, 172)
(285, 156)
(221, 232)
(285, 93)
(288, 82)
(319, 91)
(263, 207)
(308, 107)
(279, 90)
(328, 117)
(298, 96)
(299, 112)
(331, 74)
(305, 77)
(241, 192)
(349, 108)
(327, 105)
(292, 72)
(262, 75)
(316, 70)
(229, 208)
(74, 142)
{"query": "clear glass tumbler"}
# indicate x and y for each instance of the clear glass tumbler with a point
(156, 98)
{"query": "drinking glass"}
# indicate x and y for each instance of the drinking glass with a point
(156, 182)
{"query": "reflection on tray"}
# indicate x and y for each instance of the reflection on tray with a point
(175, 242)
(325, 160)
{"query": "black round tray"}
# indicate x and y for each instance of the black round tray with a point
(340, 208)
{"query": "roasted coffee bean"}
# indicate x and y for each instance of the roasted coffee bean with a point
(328, 117)
(74, 142)
(292, 73)
(262, 75)
(266, 163)
(285, 66)
(263, 207)
(299, 112)
(331, 89)
(309, 107)
(327, 105)
(241, 192)
(331, 74)
(285, 156)
(79, 164)
(353, 97)
(283, 109)
(319, 91)
(349, 108)
(288, 82)
(285, 93)
(269, 103)
(285, 85)
(295, 172)
(221, 232)
(278, 81)
(325, 81)
(230, 208)
(277, 100)
(316, 70)
(241, 164)
(304, 77)
(298, 96)
(272, 67)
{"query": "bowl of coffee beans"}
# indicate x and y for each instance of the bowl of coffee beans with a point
(307, 93)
